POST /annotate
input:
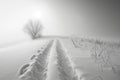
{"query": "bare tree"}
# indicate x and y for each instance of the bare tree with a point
(34, 29)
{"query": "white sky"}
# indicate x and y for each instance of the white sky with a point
(13, 16)
(59, 17)
(15, 13)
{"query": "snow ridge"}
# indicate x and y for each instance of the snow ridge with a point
(65, 65)
(37, 69)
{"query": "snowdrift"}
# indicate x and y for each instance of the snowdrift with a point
(37, 69)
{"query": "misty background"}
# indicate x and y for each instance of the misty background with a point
(97, 18)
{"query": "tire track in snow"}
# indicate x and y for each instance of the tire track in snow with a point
(37, 70)
(52, 65)
(67, 70)
(65, 65)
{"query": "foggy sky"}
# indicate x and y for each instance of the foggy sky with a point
(99, 18)
(91, 17)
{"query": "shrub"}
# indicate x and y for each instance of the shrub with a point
(34, 29)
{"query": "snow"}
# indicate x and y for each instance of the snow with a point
(37, 69)
(83, 61)
(48, 59)
(52, 65)
(13, 57)
(66, 67)
(54, 69)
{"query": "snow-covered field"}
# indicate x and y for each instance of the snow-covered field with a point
(13, 57)
(56, 59)
(109, 69)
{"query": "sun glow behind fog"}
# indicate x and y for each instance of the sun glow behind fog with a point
(48, 19)
(15, 14)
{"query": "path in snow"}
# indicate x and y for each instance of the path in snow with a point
(52, 65)
(66, 67)
(59, 67)
(37, 69)
(12, 57)
(57, 53)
